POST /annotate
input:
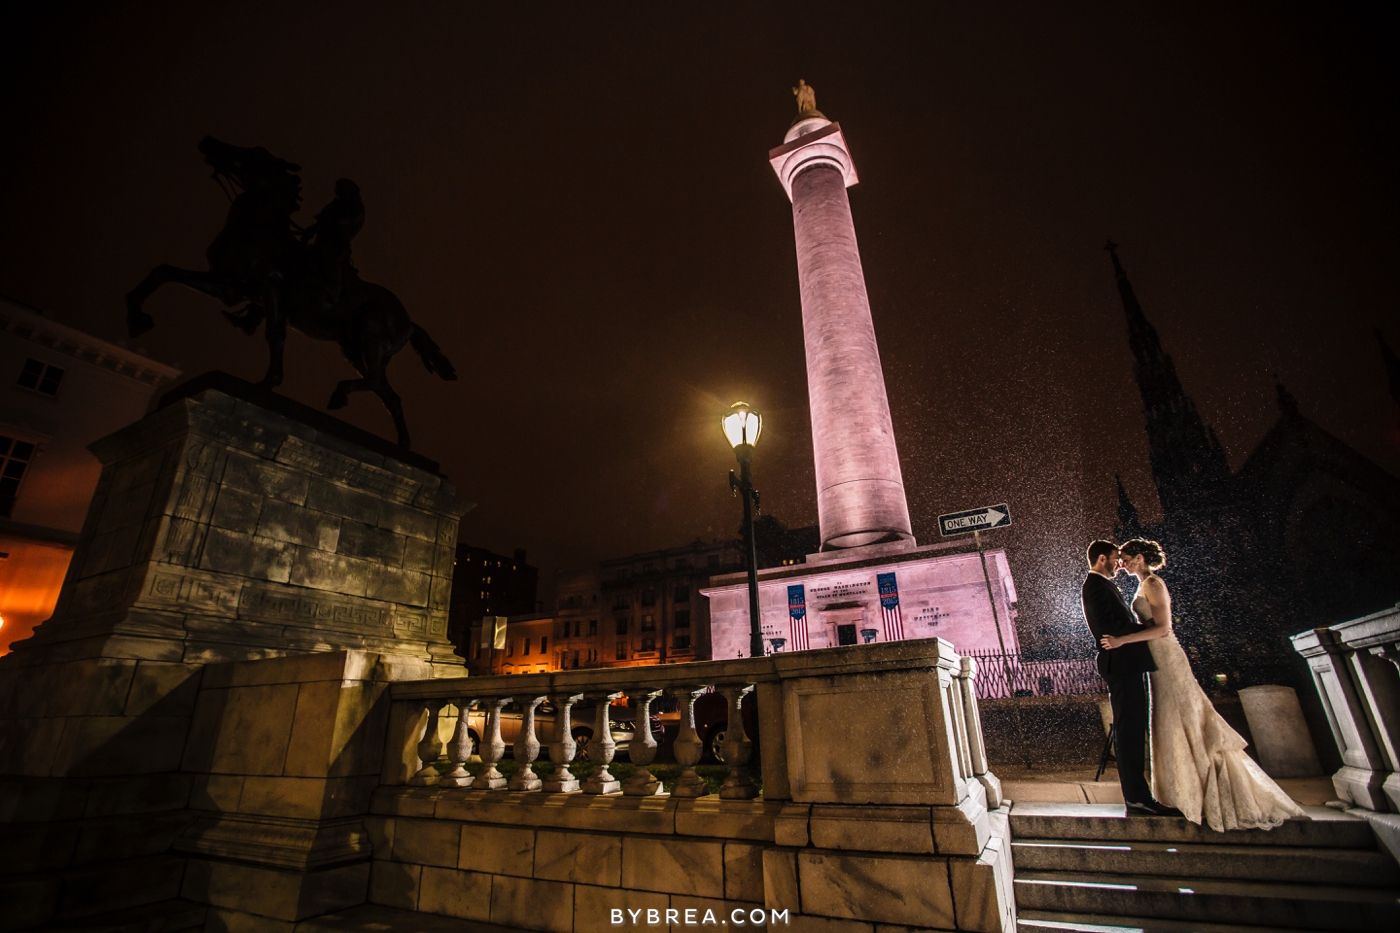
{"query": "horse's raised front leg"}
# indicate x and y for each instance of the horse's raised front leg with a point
(138, 321)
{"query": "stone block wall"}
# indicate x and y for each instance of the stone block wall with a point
(542, 862)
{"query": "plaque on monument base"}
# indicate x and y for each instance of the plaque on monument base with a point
(877, 593)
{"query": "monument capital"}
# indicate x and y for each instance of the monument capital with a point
(812, 141)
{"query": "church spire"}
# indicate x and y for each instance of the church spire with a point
(1128, 523)
(1187, 460)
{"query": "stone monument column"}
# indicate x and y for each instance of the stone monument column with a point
(860, 491)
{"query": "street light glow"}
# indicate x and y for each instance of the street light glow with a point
(742, 425)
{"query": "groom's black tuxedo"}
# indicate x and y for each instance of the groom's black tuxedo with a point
(1125, 669)
(1107, 614)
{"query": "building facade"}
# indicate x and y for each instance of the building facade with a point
(488, 584)
(60, 390)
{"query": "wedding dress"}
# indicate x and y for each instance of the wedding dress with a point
(1199, 763)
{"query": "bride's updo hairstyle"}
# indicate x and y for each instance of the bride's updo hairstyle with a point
(1150, 551)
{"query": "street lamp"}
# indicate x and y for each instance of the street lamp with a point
(742, 425)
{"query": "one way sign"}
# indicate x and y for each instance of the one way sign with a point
(961, 523)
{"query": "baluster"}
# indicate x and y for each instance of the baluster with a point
(641, 751)
(688, 747)
(563, 748)
(429, 747)
(527, 746)
(460, 748)
(601, 750)
(976, 746)
(492, 748)
(737, 747)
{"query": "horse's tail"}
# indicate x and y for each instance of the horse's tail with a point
(433, 357)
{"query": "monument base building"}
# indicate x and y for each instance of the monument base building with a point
(878, 593)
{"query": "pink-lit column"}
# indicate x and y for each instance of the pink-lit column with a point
(860, 491)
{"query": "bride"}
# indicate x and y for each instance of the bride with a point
(1199, 764)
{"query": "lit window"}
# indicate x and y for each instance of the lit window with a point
(648, 623)
(14, 459)
(40, 377)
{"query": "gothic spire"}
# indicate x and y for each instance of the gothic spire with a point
(1128, 523)
(1187, 460)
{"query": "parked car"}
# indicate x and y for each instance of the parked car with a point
(582, 719)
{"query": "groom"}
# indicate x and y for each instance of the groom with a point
(1126, 670)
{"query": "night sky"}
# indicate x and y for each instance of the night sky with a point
(577, 204)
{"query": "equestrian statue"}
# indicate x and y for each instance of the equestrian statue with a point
(268, 270)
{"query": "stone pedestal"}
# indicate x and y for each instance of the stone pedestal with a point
(1364, 765)
(860, 490)
(1280, 733)
(229, 525)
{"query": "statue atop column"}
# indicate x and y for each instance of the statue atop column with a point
(806, 99)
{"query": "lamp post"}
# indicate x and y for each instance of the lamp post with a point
(742, 426)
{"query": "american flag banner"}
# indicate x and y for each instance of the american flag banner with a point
(889, 606)
(797, 616)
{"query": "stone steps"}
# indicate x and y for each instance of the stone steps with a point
(1091, 868)
(1049, 921)
(1330, 866)
(1311, 907)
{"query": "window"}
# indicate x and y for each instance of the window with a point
(649, 643)
(682, 618)
(648, 623)
(510, 648)
(544, 644)
(648, 597)
(526, 646)
(40, 377)
(576, 625)
(621, 625)
(622, 651)
(621, 602)
(683, 594)
(14, 459)
(681, 642)
(575, 659)
(592, 628)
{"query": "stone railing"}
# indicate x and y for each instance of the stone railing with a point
(874, 803)
(798, 722)
(1354, 667)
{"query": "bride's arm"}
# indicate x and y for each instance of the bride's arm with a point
(1161, 602)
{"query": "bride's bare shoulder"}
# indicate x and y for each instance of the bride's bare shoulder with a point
(1154, 584)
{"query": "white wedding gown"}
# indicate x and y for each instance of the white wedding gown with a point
(1199, 763)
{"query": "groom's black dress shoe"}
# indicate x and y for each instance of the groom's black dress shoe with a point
(1151, 809)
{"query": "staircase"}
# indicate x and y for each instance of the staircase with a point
(1088, 867)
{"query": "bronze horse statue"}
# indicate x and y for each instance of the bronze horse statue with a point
(266, 269)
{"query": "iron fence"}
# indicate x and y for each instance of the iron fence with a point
(1009, 675)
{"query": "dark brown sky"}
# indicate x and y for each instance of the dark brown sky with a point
(577, 204)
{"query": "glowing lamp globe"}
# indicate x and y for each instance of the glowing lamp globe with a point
(742, 425)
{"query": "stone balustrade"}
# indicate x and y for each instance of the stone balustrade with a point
(1355, 669)
(876, 803)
